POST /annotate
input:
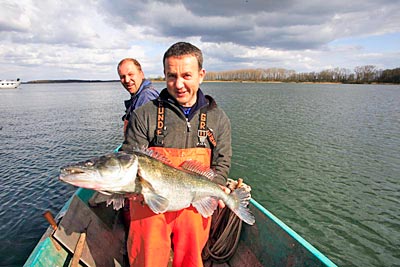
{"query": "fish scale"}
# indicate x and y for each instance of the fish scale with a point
(164, 188)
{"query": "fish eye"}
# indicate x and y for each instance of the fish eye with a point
(89, 163)
(126, 157)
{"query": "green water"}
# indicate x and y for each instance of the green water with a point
(325, 159)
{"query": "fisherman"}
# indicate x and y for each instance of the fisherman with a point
(141, 90)
(181, 124)
(132, 79)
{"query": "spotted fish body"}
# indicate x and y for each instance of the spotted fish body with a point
(164, 188)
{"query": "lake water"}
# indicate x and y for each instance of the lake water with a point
(325, 159)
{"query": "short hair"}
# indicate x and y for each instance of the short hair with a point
(134, 61)
(183, 49)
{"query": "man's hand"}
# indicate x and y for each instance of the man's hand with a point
(221, 204)
(232, 185)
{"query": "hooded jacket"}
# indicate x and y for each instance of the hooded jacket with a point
(145, 93)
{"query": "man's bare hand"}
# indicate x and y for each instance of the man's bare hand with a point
(221, 204)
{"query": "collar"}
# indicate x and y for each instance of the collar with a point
(202, 101)
(145, 83)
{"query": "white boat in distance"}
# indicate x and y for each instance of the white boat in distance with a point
(7, 84)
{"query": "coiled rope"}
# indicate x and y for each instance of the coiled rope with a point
(224, 232)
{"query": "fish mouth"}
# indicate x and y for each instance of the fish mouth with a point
(71, 170)
(77, 175)
(85, 177)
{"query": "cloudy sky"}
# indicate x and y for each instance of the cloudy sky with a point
(85, 39)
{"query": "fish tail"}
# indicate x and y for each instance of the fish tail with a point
(240, 207)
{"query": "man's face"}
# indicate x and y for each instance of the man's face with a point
(130, 76)
(183, 78)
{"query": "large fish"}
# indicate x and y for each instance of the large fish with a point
(164, 188)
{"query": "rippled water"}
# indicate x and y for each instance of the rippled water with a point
(324, 158)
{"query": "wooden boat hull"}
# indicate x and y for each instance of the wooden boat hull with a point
(270, 242)
(267, 243)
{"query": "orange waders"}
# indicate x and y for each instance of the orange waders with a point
(152, 235)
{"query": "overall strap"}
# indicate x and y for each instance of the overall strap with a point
(159, 136)
(203, 132)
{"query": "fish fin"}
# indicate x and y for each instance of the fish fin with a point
(198, 168)
(242, 198)
(154, 154)
(158, 204)
(206, 206)
(98, 197)
(116, 200)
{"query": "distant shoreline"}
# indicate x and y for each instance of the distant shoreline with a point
(69, 81)
(155, 80)
(206, 81)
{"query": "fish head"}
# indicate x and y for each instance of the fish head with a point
(114, 172)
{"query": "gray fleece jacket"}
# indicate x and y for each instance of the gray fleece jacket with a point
(181, 132)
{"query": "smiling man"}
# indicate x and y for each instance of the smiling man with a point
(142, 91)
(182, 124)
(132, 79)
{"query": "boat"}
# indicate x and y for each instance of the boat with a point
(87, 235)
(9, 84)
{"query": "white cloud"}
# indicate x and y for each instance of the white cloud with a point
(14, 17)
(86, 39)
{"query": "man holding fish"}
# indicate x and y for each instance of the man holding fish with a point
(175, 160)
(171, 126)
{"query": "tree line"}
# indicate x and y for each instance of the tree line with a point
(360, 74)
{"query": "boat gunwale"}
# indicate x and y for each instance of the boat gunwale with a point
(82, 193)
(325, 260)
